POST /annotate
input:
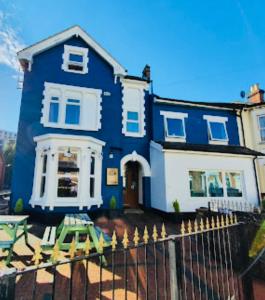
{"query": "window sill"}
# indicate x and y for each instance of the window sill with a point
(136, 135)
(175, 139)
(216, 142)
(65, 126)
(65, 69)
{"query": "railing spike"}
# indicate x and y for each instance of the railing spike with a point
(155, 235)
(113, 241)
(163, 231)
(201, 225)
(212, 223)
(182, 228)
(235, 217)
(87, 246)
(136, 237)
(145, 236)
(55, 252)
(101, 243)
(189, 227)
(72, 249)
(207, 224)
(196, 227)
(37, 257)
(226, 220)
(222, 221)
(231, 219)
(217, 222)
(125, 240)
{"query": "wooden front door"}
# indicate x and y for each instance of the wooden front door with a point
(131, 191)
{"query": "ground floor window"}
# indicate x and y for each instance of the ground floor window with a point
(215, 184)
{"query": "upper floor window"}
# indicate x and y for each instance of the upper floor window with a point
(71, 107)
(75, 59)
(174, 123)
(217, 129)
(262, 128)
(132, 123)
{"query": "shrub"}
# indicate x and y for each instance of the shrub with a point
(19, 206)
(176, 206)
(263, 205)
(113, 203)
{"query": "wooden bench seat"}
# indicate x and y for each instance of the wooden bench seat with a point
(48, 240)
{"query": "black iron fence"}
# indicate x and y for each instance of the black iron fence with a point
(203, 261)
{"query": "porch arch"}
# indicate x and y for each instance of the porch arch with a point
(146, 170)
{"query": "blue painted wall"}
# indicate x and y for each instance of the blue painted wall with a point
(47, 67)
(196, 126)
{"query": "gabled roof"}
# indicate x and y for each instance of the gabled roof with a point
(219, 105)
(26, 55)
(210, 148)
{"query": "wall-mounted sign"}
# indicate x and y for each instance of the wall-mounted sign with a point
(112, 176)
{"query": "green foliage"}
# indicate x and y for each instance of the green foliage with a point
(113, 203)
(19, 206)
(176, 206)
(8, 154)
(263, 205)
(259, 241)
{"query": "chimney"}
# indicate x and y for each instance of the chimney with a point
(256, 94)
(146, 73)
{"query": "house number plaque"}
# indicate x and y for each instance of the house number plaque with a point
(112, 176)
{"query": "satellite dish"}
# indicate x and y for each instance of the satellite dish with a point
(242, 94)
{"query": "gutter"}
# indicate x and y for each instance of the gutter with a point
(256, 179)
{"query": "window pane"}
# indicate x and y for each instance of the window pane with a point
(54, 112)
(42, 186)
(262, 134)
(92, 187)
(215, 184)
(76, 57)
(92, 165)
(233, 183)
(262, 122)
(72, 114)
(44, 166)
(132, 127)
(175, 127)
(67, 186)
(67, 163)
(218, 131)
(197, 184)
(132, 115)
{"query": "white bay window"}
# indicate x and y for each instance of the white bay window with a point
(71, 107)
(66, 174)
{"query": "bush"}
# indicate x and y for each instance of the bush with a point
(19, 206)
(113, 203)
(263, 205)
(176, 206)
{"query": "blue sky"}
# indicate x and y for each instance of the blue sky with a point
(198, 50)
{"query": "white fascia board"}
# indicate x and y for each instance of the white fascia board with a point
(215, 118)
(207, 153)
(156, 100)
(28, 53)
(68, 137)
(173, 115)
(134, 83)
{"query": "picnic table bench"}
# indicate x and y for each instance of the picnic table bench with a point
(9, 225)
(73, 225)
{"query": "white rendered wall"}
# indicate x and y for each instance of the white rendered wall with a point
(175, 174)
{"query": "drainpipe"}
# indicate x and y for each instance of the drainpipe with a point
(256, 179)
(242, 126)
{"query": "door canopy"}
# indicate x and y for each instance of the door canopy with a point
(137, 158)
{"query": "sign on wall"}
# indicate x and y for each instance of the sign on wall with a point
(112, 176)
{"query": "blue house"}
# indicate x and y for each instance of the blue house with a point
(88, 131)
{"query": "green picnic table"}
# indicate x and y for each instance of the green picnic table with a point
(9, 226)
(73, 225)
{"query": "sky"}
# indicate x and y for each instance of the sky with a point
(198, 50)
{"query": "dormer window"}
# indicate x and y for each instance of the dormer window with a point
(75, 59)
(217, 129)
(174, 124)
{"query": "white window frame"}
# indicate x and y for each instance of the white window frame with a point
(216, 119)
(260, 139)
(52, 144)
(63, 90)
(223, 172)
(174, 115)
(77, 51)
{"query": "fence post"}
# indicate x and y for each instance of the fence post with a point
(7, 284)
(174, 290)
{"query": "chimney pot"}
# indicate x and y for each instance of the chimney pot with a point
(146, 74)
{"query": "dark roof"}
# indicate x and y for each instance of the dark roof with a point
(210, 148)
(136, 78)
(215, 104)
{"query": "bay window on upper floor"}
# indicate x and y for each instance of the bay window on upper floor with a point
(174, 126)
(217, 132)
(71, 107)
